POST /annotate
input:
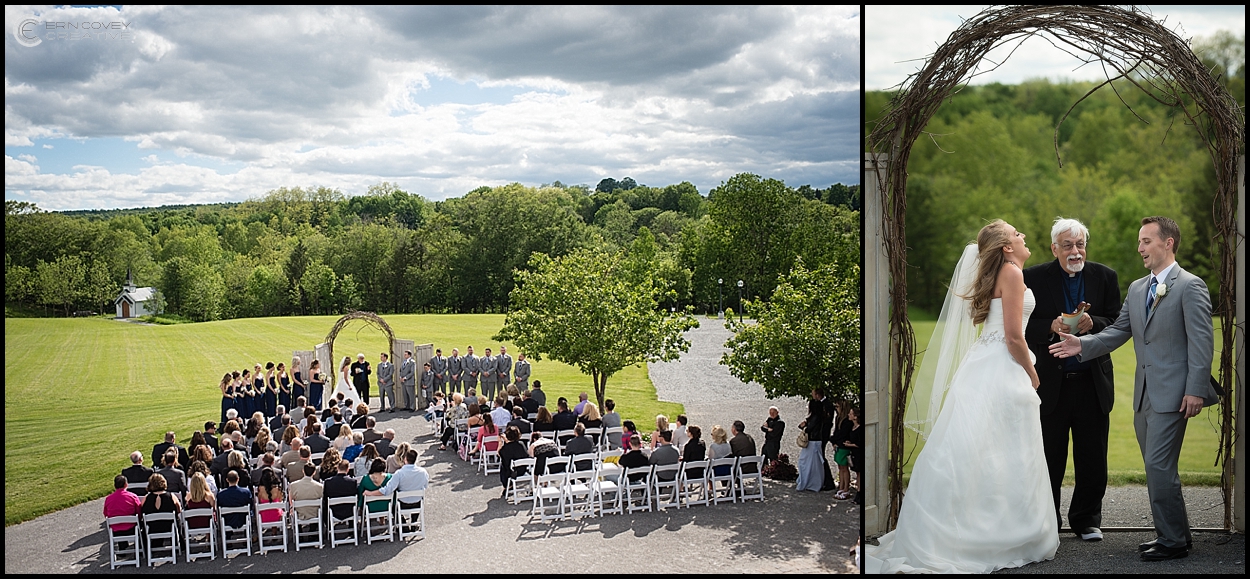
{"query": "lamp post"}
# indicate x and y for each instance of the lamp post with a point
(739, 301)
(720, 287)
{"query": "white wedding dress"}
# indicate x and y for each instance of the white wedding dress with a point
(979, 497)
(346, 387)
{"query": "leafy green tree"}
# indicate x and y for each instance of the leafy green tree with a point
(317, 286)
(206, 293)
(58, 284)
(19, 282)
(265, 291)
(807, 335)
(587, 309)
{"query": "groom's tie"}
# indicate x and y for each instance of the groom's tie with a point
(1150, 295)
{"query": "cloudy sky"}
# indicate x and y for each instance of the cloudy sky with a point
(185, 104)
(895, 35)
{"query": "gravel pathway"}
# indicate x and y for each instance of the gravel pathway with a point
(471, 530)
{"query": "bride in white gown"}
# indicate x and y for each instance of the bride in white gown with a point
(345, 384)
(979, 497)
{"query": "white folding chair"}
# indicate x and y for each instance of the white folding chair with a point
(254, 463)
(596, 434)
(604, 487)
(410, 514)
(334, 522)
(553, 461)
(723, 487)
(208, 533)
(474, 432)
(316, 457)
(612, 438)
(693, 486)
(660, 482)
(310, 529)
(637, 493)
(584, 462)
(562, 437)
(227, 530)
(275, 543)
(379, 525)
(579, 494)
(531, 417)
(749, 470)
(549, 496)
(115, 539)
(609, 465)
(171, 535)
(139, 488)
(462, 432)
(521, 486)
(488, 460)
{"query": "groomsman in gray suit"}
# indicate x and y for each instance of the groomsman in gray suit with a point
(427, 384)
(408, 381)
(386, 382)
(472, 370)
(455, 370)
(1168, 317)
(439, 364)
(522, 375)
(504, 364)
(490, 375)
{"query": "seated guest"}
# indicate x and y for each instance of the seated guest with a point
(288, 434)
(386, 445)
(221, 462)
(395, 461)
(374, 480)
(197, 440)
(202, 453)
(171, 441)
(475, 414)
(199, 496)
(329, 465)
(410, 477)
(317, 443)
(360, 417)
(310, 416)
(610, 418)
(291, 456)
(544, 422)
(159, 500)
(500, 415)
(362, 463)
(519, 421)
(580, 444)
(536, 392)
(295, 470)
(175, 479)
(628, 429)
(564, 418)
(342, 484)
(354, 449)
(742, 444)
(529, 403)
(511, 451)
(199, 466)
(542, 448)
(437, 408)
(458, 411)
(488, 429)
(582, 399)
(238, 466)
(661, 425)
(275, 423)
(589, 417)
(234, 496)
(136, 472)
(123, 503)
(665, 454)
(333, 421)
(261, 441)
(635, 459)
(695, 449)
(720, 449)
(344, 439)
(240, 446)
(210, 436)
(267, 462)
(269, 490)
(371, 433)
(306, 488)
(679, 432)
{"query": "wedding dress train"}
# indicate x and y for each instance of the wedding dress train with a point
(979, 497)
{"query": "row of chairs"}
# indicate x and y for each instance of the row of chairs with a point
(403, 518)
(603, 488)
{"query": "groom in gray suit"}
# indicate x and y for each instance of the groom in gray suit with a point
(1168, 316)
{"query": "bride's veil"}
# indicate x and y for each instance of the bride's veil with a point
(952, 337)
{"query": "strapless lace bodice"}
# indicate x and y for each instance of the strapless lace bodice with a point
(994, 322)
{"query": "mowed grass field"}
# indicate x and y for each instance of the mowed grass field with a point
(82, 394)
(1124, 461)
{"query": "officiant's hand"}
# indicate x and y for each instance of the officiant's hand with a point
(1068, 346)
(1085, 324)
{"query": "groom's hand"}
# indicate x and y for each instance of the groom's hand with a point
(1191, 406)
(1068, 346)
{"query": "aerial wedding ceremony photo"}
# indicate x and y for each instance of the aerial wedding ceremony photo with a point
(445, 289)
(1054, 266)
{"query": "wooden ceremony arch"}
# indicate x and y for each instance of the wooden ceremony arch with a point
(1129, 44)
(369, 318)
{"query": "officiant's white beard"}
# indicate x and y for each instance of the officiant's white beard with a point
(1075, 265)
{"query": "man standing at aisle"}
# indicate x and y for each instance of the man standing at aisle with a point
(455, 370)
(408, 381)
(472, 370)
(522, 375)
(490, 374)
(439, 365)
(503, 363)
(386, 382)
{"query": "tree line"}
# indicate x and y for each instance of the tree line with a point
(298, 251)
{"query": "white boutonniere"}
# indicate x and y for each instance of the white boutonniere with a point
(1160, 291)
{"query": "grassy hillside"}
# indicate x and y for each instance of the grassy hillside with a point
(82, 394)
(1124, 462)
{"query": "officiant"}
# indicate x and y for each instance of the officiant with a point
(1080, 297)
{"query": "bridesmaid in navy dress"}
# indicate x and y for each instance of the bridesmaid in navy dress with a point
(284, 387)
(297, 388)
(236, 386)
(316, 384)
(227, 395)
(249, 398)
(271, 391)
(258, 390)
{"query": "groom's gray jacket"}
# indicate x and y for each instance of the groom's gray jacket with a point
(1174, 341)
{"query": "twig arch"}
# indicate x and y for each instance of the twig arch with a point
(369, 318)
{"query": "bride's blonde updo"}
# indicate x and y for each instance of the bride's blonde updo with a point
(990, 243)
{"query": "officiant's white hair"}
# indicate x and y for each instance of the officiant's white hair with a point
(1064, 225)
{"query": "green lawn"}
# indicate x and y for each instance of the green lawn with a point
(82, 394)
(1124, 462)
